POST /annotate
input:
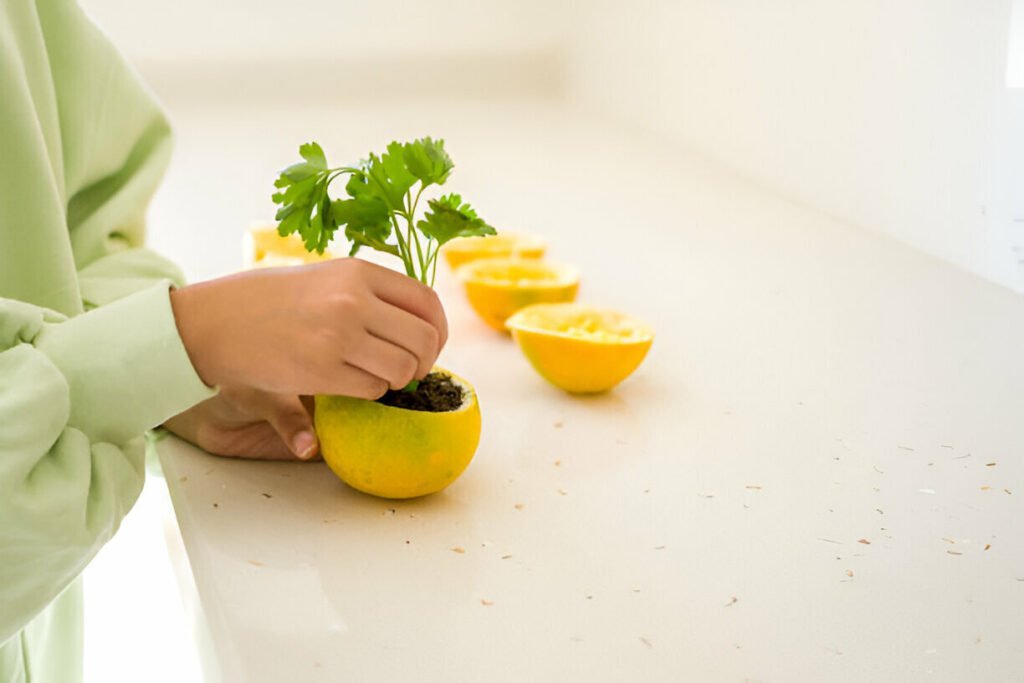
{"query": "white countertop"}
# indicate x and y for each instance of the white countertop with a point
(815, 476)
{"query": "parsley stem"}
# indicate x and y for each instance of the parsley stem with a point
(403, 249)
(411, 217)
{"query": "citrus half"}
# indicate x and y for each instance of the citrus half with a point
(578, 348)
(503, 245)
(264, 248)
(394, 452)
(497, 288)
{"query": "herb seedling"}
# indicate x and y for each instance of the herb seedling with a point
(383, 193)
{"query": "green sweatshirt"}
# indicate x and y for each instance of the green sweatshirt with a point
(90, 356)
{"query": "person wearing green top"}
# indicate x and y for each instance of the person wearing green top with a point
(100, 340)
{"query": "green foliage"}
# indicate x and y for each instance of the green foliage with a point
(449, 218)
(380, 194)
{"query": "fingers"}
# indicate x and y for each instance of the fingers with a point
(349, 380)
(413, 334)
(293, 424)
(389, 362)
(410, 295)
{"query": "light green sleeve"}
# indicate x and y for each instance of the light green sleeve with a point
(90, 355)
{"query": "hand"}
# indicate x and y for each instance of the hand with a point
(344, 327)
(249, 423)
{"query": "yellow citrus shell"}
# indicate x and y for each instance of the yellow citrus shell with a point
(265, 248)
(581, 349)
(462, 250)
(393, 452)
(497, 288)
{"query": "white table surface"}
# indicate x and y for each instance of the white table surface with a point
(815, 476)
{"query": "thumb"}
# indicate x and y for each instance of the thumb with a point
(292, 422)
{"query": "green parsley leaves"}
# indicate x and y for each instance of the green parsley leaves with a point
(380, 194)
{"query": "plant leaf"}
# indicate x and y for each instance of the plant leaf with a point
(449, 218)
(367, 222)
(388, 178)
(314, 155)
(428, 161)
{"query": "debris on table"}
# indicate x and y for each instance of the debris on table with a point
(518, 506)
(849, 572)
(954, 552)
(459, 549)
(266, 495)
(485, 603)
(990, 464)
(732, 601)
(255, 563)
(558, 424)
(863, 541)
(905, 448)
(563, 492)
(645, 641)
(987, 546)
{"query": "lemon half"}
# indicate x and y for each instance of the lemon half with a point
(578, 348)
(497, 288)
(264, 248)
(393, 452)
(503, 245)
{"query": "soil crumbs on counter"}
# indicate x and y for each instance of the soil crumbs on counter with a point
(436, 393)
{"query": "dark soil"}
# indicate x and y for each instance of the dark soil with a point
(435, 394)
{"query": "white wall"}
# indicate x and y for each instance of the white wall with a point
(894, 115)
(891, 114)
(258, 49)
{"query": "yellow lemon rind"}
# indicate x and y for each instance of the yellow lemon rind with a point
(396, 453)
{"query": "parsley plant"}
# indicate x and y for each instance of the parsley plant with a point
(382, 195)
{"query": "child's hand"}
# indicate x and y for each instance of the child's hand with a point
(340, 327)
(249, 423)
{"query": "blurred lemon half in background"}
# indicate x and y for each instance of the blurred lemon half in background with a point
(263, 247)
(503, 245)
(497, 288)
(578, 348)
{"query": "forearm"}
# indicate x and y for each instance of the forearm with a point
(75, 397)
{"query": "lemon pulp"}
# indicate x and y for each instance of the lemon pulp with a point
(497, 288)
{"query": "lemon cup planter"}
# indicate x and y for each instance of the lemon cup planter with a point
(580, 349)
(395, 452)
(418, 440)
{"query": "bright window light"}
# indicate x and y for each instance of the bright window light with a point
(1015, 64)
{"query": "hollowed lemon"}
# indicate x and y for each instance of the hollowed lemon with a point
(264, 248)
(580, 349)
(393, 452)
(503, 245)
(497, 288)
